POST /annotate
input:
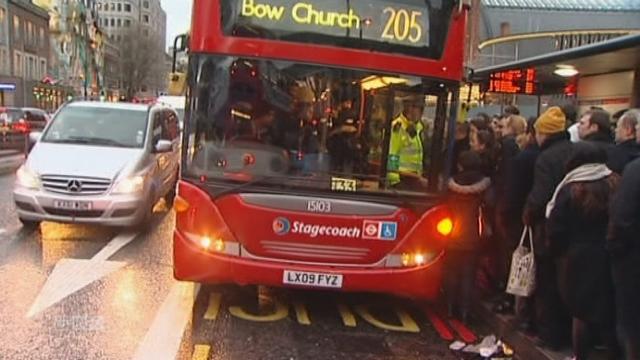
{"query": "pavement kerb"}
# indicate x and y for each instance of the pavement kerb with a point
(505, 328)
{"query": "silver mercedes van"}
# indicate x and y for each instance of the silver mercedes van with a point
(100, 163)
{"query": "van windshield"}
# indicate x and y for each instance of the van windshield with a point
(99, 126)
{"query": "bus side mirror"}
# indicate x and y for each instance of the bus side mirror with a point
(180, 43)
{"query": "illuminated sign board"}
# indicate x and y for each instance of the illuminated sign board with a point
(514, 82)
(403, 23)
(417, 28)
(7, 87)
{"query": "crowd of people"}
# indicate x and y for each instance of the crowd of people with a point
(576, 182)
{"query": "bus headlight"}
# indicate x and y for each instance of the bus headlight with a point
(409, 259)
(415, 259)
(208, 244)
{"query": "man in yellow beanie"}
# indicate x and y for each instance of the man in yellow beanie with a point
(553, 321)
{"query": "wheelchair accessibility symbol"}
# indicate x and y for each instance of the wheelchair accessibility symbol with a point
(380, 230)
(389, 231)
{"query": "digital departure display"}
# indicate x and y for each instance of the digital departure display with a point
(514, 82)
(412, 27)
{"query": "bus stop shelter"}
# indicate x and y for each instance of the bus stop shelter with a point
(604, 74)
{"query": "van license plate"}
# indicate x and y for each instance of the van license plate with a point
(72, 205)
(312, 279)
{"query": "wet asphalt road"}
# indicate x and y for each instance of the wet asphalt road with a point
(85, 292)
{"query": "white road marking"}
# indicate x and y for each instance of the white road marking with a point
(2, 231)
(113, 246)
(162, 340)
(71, 275)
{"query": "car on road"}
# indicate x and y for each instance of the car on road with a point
(22, 120)
(100, 163)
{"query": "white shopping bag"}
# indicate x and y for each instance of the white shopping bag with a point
(522, 278)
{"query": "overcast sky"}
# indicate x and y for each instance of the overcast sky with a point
(178, 17)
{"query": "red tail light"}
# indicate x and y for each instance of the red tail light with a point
(248, 159)
(21, 126)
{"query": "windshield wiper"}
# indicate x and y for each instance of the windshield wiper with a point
(237, 188)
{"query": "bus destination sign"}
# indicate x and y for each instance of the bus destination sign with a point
(514, 82)
(382, 21)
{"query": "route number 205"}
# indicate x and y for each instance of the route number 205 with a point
(402, 25)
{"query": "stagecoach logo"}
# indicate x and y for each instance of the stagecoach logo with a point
(74, 186)
(281, 226)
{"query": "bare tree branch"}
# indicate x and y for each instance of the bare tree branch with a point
(140, 61)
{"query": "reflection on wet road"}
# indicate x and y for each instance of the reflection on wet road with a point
(86, 292)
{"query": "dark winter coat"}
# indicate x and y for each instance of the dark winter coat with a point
(520, 180)
(459, 147)
(584, 272)
(603, 141)
(624, 246)
(468, 191)
(622, 154)
(508, 150)
(548, 173)
(518, 185)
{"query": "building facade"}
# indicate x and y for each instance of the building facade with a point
(6, 73)
(502, 31)
(507, 30)
(144, 17)
(77, 49)
(24, 51)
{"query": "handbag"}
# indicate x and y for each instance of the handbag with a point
(522, 277)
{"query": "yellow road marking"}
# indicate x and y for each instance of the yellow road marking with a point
(214, 306)
(301, 313)
(201, 352)
(407, 322)
(348, 318)
(280, 312)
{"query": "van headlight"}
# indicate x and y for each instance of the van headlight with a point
(28, 178)
(130, 185)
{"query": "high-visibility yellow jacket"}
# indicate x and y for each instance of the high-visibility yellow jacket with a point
(405, 151)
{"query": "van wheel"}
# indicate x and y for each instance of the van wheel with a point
(29, 224)
(145, 221)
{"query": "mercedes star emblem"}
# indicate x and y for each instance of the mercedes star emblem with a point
(74, 186)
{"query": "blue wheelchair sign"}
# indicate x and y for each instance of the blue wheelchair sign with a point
(389, 231)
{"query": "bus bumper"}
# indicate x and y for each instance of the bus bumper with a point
(190, 263)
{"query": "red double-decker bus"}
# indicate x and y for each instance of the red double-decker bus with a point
(297, 114)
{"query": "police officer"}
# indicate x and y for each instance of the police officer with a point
(406, 148)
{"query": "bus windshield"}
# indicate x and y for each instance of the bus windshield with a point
(284, 124)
